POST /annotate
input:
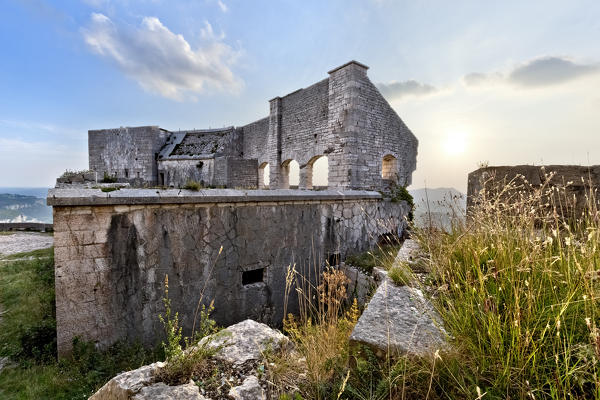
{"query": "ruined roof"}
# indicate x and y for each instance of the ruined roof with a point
(199, 143)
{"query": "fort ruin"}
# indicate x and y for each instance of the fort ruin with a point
(233, 244)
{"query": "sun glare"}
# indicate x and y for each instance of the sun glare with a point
(455, 143)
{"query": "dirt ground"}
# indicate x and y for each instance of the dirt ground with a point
(19, 242)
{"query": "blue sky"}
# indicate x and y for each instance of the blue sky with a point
(504, 82)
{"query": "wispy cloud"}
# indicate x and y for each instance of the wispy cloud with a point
(539, 72)
(222, 6)
(162, 61)
(398, 90)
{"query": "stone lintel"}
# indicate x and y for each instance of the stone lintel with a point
(95, 197)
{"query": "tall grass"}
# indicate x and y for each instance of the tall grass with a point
(518, 292)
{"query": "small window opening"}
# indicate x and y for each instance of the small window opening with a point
(126, 173)
(333, 259)
(253, 276)
(138, 174)
(200, 165)
(155, 156)
(161, 179)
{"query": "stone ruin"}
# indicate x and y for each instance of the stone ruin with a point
(343, 118)
(576, 184)
(235, 244)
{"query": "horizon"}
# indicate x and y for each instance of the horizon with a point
(495, 83)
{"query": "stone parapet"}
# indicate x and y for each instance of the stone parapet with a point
(95, 197)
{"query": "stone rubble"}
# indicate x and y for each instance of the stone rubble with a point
(238, 344)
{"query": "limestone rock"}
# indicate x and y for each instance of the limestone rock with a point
(4, 362)
(249, 390)
(127, 384)
(160, 391)
(399, 320)
(246, 340)
(360, 285)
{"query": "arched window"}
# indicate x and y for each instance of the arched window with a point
(264, 176)
(389, 168)
(318, 172)
(290, 174)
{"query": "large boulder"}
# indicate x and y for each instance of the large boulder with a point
(128, 384)
(245, 341)
(249, 390)
(399, 320)
(241, 345)
(160, 391)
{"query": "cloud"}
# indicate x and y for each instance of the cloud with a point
(539, 72)
(162, 61)
(398, 90)
(222, 6)
(549, 71)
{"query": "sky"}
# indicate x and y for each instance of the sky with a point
(496, 83)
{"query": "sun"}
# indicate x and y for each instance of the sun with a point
(455, 143)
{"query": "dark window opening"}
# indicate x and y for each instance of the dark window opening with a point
(253, 276)
(333, 259)
(155, 156)
(200, 165)
(126, 173)
(161, 179)
(138, 174)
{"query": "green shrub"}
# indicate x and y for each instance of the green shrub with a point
(382, 256)
(109, 189)
(398, 194)
(192, 185)
(109, 179)
(400, 275)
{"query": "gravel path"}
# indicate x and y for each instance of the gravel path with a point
(20, 242)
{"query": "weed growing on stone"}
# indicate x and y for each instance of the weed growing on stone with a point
(401, 275)
(182, 364)
(382, 256)
(192, 185)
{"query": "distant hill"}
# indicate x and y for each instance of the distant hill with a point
(24, 205)
(438, 205)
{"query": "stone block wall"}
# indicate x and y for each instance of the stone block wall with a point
(112, 252)
(576, 183)
(344, 118)
(177, 172)
(127, 153)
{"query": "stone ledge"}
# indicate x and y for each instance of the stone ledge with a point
(95, 197)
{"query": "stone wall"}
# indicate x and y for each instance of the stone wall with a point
(113, 250)
(255, 140)
(177, 172)
(127, 153)
(576, 180)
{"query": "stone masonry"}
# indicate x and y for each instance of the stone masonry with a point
(342, 117)
(113, 251)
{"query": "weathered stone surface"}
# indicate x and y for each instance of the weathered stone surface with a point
(360, 285)
(343, 117)
(234, 247)
(247, 340)
(576, 183)
(160, 391)
(4, 362)
(127, 384)
(249, 390)
(399, 320)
